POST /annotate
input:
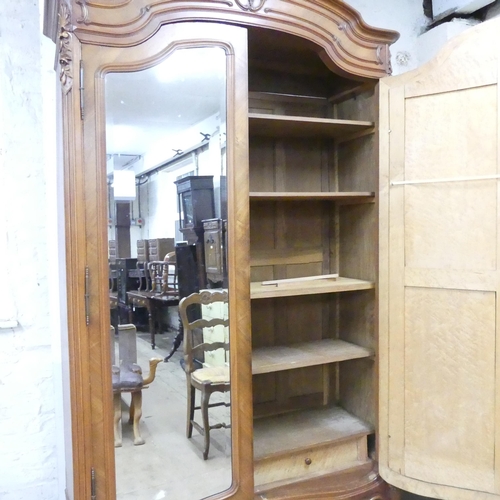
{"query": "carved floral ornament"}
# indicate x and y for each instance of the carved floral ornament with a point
(65, 53)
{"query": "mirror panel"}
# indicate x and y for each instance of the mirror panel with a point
(167, 227)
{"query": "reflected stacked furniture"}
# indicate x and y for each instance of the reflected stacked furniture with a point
(140, 283)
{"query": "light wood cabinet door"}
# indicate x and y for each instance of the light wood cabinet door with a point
(439, 406)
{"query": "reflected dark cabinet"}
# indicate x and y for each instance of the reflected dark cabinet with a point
(190, 279)
(214, 242)
(196, 202)
(124, 281)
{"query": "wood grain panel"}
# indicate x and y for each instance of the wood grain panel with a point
(319, 352)
(343, 197)
(357, 388)
(264, 388)
(303, 381)
(356, 318)
(357, 243)
(357, 165)
(261, 159)
(311, 428)
(262, 226)
(257, 291)
(450, 371)
(452, 279)
(361, 106)
(292, 126)
(261, 273)
(283, 257)
(302, 225)
(302, 317)
(303, 168)
(438, 315)
(263, 323)
(287, 104)
(454, 215)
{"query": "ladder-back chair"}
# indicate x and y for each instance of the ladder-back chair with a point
(203, 335)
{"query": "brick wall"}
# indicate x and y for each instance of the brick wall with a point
(30, 401)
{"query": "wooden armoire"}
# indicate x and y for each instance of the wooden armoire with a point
(362, 246)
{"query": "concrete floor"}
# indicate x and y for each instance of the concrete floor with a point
(168, 465)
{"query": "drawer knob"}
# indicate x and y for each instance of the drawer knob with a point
(308, 461)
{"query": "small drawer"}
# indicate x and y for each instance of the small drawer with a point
(303, 463)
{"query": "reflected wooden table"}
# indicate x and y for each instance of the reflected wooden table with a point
(154, 303)
(158, 303)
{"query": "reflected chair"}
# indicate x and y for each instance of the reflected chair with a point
(127, 377)
(169, 285)
(198, 327)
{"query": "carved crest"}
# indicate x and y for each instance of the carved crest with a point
(251, 5)
(65, 54)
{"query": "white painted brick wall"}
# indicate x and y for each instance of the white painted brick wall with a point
(441, 8)
(30, 441)
(404, 16)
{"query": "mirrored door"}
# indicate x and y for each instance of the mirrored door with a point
(165, 176)
(166, 167)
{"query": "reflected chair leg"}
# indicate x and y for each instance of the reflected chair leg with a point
(205, 398)
(190, 407)
(136, 403)
(152, 323)
(131, 409)
(117, 403)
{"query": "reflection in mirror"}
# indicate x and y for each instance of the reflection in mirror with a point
(166, 168)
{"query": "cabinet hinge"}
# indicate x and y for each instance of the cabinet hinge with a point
(93, 494)
(87, 295)
(81, 90)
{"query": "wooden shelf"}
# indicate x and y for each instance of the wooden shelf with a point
(302, 430)
(298, 126)
(357, 196)
(320, 352)
(312, 287)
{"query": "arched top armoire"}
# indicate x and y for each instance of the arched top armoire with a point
(362, 246)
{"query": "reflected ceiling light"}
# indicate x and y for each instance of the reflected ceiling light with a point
(121, 138)
(124, 185)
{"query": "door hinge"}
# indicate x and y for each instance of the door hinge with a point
(93, 494)
(87, 295)
(81, 90)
